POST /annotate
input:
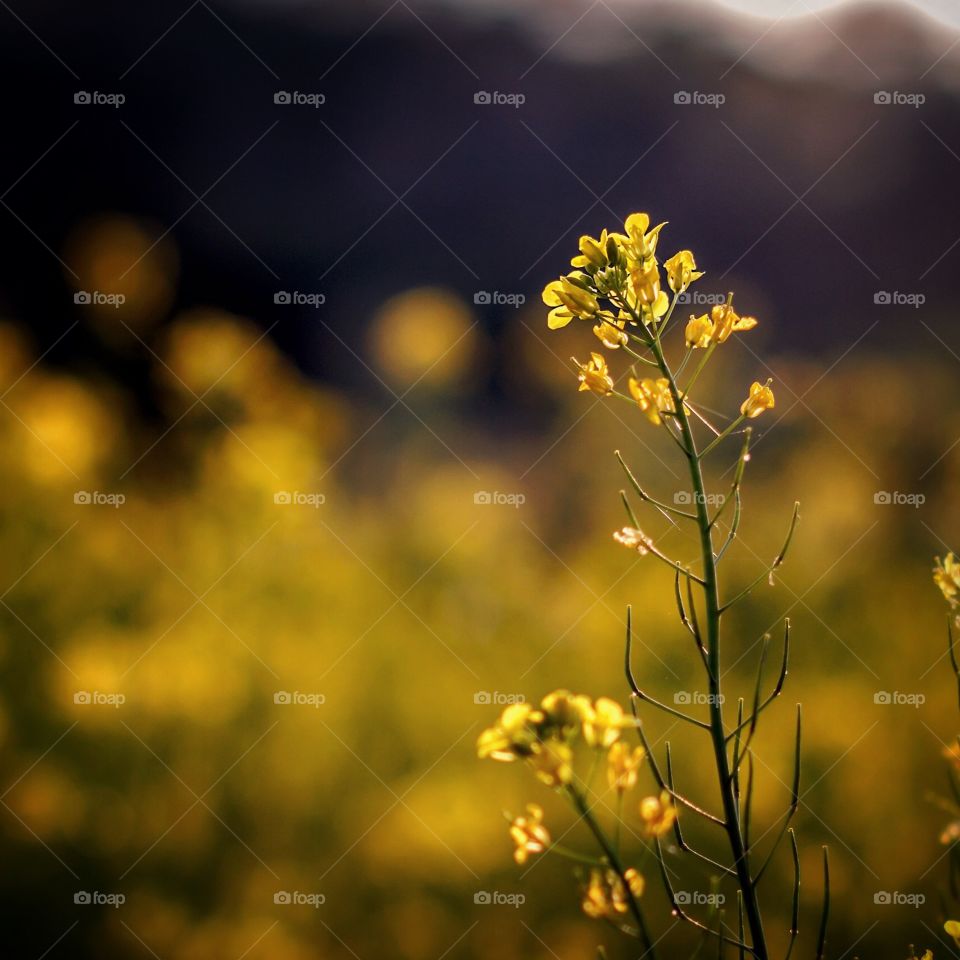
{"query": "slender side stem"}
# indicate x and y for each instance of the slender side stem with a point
(580, 803)
(731, 813)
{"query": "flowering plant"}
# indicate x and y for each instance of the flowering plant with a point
(617, 286)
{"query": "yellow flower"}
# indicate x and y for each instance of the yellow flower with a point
(699, 331)
(760, 399)
(952, 753)
(950, 833)
(682, 271)
(611, 333)
(726, 321)
(529, 834)
(512, 736)
(598, 254)
(633, 539)
(594, 375)
(568, 301)
(645, 280)
(953, 930)
(599, 900)
(635, 881)
(657, 814)
(561, 708)
(652, 396)
(622, 766)
(552, 762)
(602, 724)
(642, 241)
(946, 575)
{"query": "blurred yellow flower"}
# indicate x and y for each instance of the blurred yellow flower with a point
(759, 399)
(529, 834)
(946, 575)
(682, 271)
(623, 763)
(602, 722)
(952, 928)
(642, 241)
(657, 814)
(594, 375)
(511, 736)
(562, 709)
(552, 762)
(652, 396)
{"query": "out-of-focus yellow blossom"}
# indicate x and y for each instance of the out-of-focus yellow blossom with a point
(562, 709)
(927, 955)
(950, 833)
(635, 881)
(727, 321)
(594, 375)
(699, 331)
(611, 333)
(952, 753)
(952, 927)
(552, 762)
(623, 763)
(759, 399)
(652, 396)
(657, 814)
(606, 897)
(946, 575)
(568, 301)
(633, 539)
(602, 723)
(529, 833)
(513, 735)
(682, 271)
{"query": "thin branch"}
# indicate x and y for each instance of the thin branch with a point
(795, 912)
(825, 912)
(781, 679)
(643, 495)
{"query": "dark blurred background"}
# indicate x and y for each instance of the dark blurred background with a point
(256, 248)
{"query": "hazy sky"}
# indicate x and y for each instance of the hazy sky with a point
(945, 10)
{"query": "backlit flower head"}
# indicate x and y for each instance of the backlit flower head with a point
(946, 575)
(633, 539)
(568, 300)
(594, 375)
(623, 764)
(653, 396)
(657, 814)
(682, 271)
(759, 399)
(552, 761)
(512, 736)
(611, 333)
(603, 722)
(529, 834)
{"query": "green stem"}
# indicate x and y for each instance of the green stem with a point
(731, 812)
(580, 803)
